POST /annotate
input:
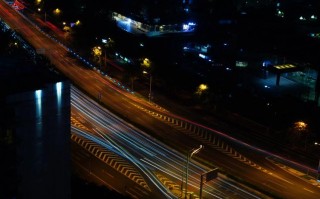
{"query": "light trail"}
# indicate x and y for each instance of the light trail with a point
(86, 77)
(142, 150)
(112, 147)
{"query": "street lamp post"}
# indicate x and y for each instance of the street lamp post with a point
(146, 64)
(189, 156)
(150, 88)
(318, 169)
(318, 175)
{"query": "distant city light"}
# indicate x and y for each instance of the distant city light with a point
(314, 17)
(202, 56)
(280, 13)
(302, 18)
(266, 63)
(185, 27)
(189, 26)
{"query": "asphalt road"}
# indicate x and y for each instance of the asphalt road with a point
(134, 109)
(146, 151)
(97, 171)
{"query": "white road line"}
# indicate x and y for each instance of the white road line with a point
(308, 190)
(105, 172)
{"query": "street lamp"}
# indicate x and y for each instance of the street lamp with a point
(189, 156)
(77, 23)
(202, 88)
(150, 84)
(146, 63)
(97, 52)
(57, 11)
(45, 14)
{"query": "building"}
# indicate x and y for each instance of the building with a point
(34, 132)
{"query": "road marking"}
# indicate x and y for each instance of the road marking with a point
(134, 190)
(132, 195)
(280, 178)
(105, 172)
(112, 160)
(308, 190)
(92, 174)
(143, 191)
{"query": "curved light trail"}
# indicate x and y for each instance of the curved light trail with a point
(117, 97)
(148, 154)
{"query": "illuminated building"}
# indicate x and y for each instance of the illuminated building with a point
(34, 132)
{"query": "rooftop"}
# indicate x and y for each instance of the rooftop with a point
(18, 75)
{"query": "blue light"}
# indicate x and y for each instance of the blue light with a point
(59, 93)
(185, 27)
(266, 63)
(38, 96)
(202, 56)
